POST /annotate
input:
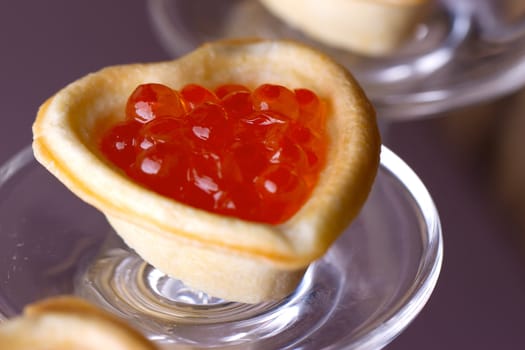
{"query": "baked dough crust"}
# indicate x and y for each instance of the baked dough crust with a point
(69, 323)
(224, 256)
(371, 27)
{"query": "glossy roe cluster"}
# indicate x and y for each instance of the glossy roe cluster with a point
(253, 155)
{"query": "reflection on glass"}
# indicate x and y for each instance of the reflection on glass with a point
(361, 294)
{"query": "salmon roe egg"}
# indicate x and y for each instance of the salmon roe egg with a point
(149, 101)
(255, 155)
(223, 90)
(195, 95)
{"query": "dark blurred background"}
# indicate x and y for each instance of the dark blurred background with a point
(469, 159)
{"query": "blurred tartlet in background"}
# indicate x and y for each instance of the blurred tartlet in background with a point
(370, 27)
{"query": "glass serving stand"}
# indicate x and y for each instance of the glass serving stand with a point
(367, 288)
(463, 52)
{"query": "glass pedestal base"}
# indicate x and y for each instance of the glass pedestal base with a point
(360, 295)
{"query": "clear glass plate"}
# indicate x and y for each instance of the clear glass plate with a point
(465, 51)
(360, 295)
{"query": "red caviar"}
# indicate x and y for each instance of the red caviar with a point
(253, 155)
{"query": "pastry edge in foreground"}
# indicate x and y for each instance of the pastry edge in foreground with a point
(69, 323)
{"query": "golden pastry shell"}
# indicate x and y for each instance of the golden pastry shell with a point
(66, 143)
(370, 27)
(69, 323)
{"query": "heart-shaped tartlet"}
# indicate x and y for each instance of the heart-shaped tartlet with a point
(69, 323)
(227, 257)
(371, 27)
